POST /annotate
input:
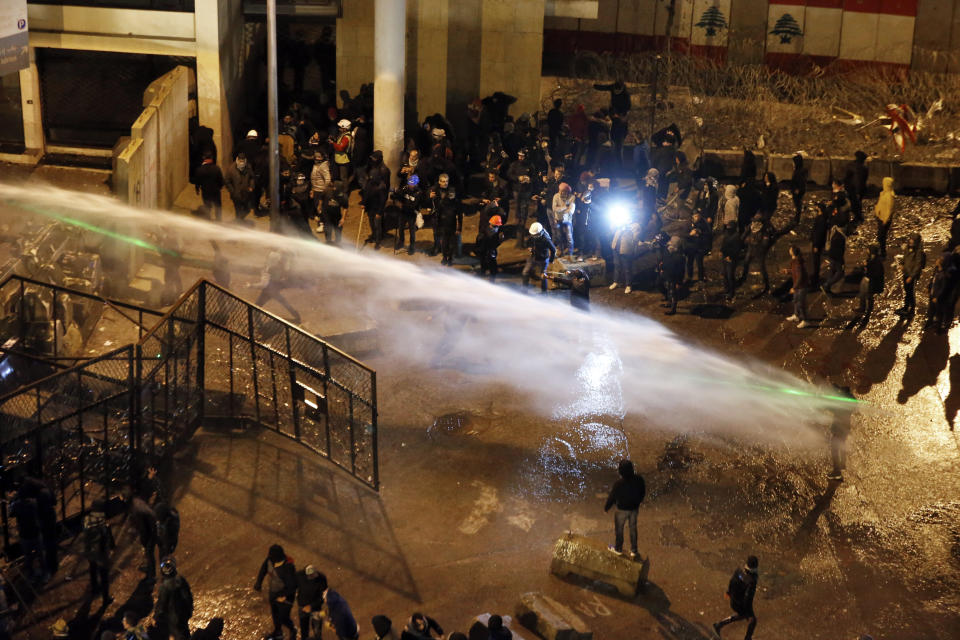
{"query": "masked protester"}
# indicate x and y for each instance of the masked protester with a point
(740, 592)
(282, 587)
(914, 260)
(174, 606)
(331, 213)
(410, 198)
(488, 244)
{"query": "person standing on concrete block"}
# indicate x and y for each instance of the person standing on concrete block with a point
(627, 493)
(740, 592)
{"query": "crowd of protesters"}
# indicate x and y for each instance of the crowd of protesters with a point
(551, 183)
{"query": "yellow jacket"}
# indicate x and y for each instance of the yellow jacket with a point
(884, 207)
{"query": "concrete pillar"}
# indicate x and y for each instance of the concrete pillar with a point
(389, 81)
(33, 138)
(431, 55)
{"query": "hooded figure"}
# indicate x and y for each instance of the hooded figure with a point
(627, 493)
(769, 193)
(383, 628)
(798, 185)
(855, 183)
(421, 627)
(282, 586)
(648, 195)
(883, 211)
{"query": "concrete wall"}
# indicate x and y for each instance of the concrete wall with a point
(153, 168)
(147, 130)
(355, 45)
(428, 77)
(511, 50)
(936, 37)
(747, 38)
(168, 95)
(463, 61)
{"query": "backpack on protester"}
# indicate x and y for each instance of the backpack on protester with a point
(183, 599)
(168, 528)
(737, 589)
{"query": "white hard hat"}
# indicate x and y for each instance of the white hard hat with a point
(439, 133)
(344, 124)
(536, 228)
(252, 133)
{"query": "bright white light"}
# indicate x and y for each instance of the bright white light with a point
(618, 213)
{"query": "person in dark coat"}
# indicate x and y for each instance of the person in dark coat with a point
(522, 177)
(144, 522)
(835, 255)
(497, 630)
(626, 494)
(409, 198)
(337, 612)
(938, 317)
(740, 592)
(673, 269)
(208, 181)
(697, 244)
(240, 182)
(619, 97)
(168, 528)
(542, 252)
(838, 211)
(174, 606)
(447, 218)
(421, 627)
(98, 542)
(488, 243)
(731, 248)
(914, 260)
(373, 200)
(871, 284)
(818, 242)
(798, 185)
(760, 239)
(332, 206)
(750, 197)
(855, 184)
(555, 124)
(769, 194)
(282, 588)
(310, 587)
(47, 517)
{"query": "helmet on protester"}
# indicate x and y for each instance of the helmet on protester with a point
(413, 180)
(496, 221)
(168, 566)
(536, 228)
(344, 124)
(301, 178)
(439, 133)
(252, 133)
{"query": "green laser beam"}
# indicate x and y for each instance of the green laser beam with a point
(137, 242)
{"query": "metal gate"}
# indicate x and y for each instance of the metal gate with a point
(87, 429)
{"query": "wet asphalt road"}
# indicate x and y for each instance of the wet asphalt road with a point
(474, 496)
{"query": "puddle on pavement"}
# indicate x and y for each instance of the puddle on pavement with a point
(457, 422)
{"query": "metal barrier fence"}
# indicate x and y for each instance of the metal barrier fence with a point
(213, 356)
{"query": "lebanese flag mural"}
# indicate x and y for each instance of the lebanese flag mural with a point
(710, 29)
(803, 35)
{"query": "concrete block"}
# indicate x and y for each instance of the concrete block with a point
(819, 170)
(722, 163)
(550, 619)
(780, 164)
(578, 555)
(880, 169)
(923, 175)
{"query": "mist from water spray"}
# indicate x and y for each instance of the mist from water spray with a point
(558, 359)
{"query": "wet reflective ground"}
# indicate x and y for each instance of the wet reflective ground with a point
(474, 496)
